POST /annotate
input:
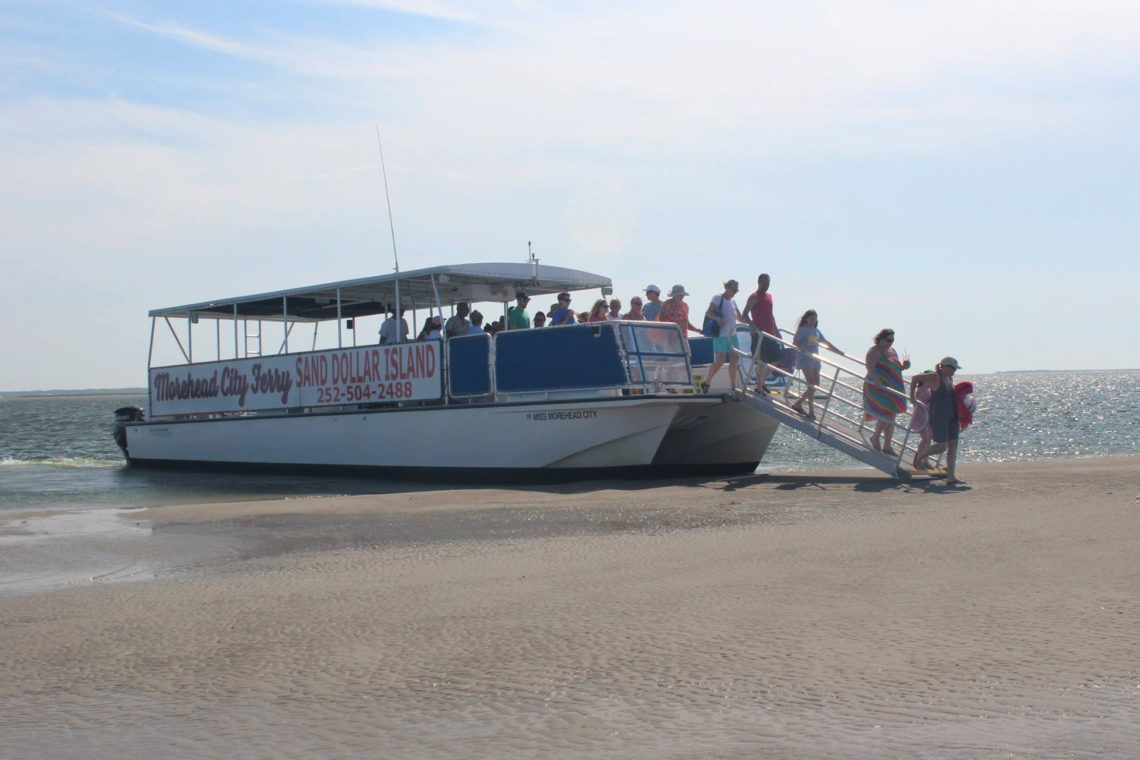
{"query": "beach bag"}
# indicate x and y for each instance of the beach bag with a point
(788, 360)
(711, 328)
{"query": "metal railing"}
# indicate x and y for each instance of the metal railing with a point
(840, 409)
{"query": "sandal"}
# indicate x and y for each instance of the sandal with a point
(875, 443)
(798, 409)
(890, 452)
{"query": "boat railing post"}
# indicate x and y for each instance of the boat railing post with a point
(285, 323)
(189, 337)
(494, 380)
(830, 396)
(398, 316)
(438, 305)
(339, 319)
(235, 331)
(150, 350)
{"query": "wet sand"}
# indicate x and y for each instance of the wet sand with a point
(821, 615)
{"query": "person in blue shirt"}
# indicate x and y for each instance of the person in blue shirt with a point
(563, 315)
(808, 340)
(651, 310)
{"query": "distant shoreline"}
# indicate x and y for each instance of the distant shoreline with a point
(82, 392)
(143, 391)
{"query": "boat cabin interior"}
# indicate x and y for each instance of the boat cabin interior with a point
(265, 363)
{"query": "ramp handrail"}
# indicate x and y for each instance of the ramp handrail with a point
(855, 426)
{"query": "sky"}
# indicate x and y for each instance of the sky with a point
(967, 173)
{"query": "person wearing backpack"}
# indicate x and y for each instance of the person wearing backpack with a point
(720, 320)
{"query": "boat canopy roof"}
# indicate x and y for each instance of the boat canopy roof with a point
(366, 296)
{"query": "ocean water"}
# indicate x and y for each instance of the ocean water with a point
(57, 452)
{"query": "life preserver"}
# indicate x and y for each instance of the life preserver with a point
(965, 403)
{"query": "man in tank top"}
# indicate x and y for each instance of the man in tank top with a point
(758, 312)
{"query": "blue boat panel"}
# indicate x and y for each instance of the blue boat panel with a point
(469, 365)
(702, 351)
(555, 358)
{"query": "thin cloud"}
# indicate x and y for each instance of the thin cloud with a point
(197, 39)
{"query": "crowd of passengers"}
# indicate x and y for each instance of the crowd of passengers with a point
(468, 322)
(883, 389)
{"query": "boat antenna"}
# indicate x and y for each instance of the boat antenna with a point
(387, 198)
(532, 260)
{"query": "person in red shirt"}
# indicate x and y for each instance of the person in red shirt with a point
(676, 310)
(598, 313)
(760, 317)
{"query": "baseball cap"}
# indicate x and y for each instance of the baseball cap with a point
(950, 361)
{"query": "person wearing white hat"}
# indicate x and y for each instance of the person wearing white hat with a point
(943, 415)
(653, 308)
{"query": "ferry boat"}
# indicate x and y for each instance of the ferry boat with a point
(608, 399)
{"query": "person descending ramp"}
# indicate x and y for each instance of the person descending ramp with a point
(840, 414)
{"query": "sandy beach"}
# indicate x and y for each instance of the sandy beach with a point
(815, 615)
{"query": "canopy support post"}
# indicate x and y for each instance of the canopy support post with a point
(285, 323)
(150, 350)
(177, 340)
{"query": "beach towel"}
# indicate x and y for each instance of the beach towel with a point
(878, 402)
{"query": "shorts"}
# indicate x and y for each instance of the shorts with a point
(771, 352)
(807, 361)
(944, 429)
(720, 343)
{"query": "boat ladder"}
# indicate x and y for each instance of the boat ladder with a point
(839, 421)
(253, 338)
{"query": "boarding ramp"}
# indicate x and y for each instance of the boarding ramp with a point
(840, 420)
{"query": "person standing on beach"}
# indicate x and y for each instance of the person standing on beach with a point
(944, 424)
(651, 310)
(758, 312)
(517, 318)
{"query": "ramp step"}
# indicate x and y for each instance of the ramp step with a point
(846, 440)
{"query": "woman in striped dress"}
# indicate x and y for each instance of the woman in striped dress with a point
(883, 395)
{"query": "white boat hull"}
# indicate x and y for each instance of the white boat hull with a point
(669, 433)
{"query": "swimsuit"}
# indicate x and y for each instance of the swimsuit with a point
(943, 413)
